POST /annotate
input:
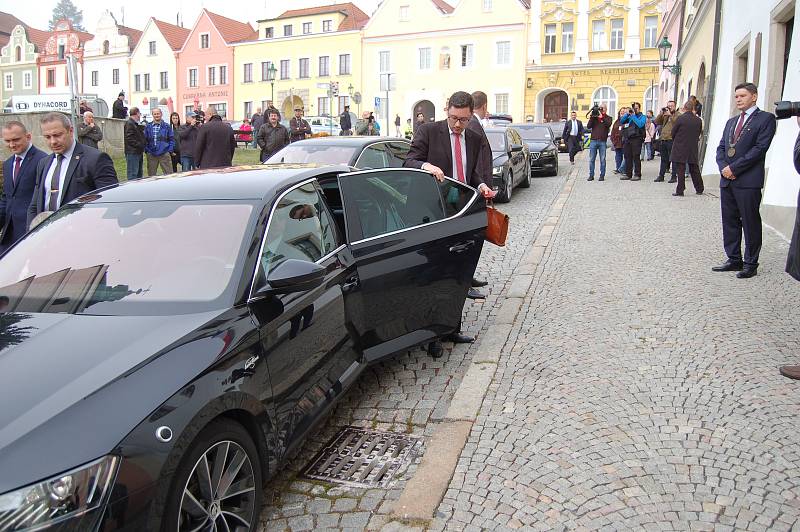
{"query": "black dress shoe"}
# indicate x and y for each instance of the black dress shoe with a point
(636, 178)
(677, 193)
(601, 178)
(590, 179)
(624, 178)
(672, 181)
(458, 338)
(435, 349)
(658, 180)
(728, 266)
(474, 294)
(747, 273)
(477, 283)
(699, 192)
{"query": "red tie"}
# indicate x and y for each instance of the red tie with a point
(17, 163)
(739, 128)
(459, 162)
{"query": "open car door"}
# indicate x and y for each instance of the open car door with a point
(416, 244)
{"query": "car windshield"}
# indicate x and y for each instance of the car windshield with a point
(497, 140)
(136, 258)
(314, 153)
(535, 133)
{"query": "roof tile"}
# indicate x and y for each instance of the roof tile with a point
(355, 19)
(175, 35)
(232, 30)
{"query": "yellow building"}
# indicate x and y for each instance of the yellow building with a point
(694, 52)
(586, 51)
(308, 49)
(428, 49)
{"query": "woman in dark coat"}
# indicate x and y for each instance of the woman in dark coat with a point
(175, 122)
(793, 260)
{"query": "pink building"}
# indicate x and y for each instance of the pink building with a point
(205, 63)
(62, 41)
(672, 13)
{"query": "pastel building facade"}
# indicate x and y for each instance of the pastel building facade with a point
(106, 58)
(19, 70)
(61, 42)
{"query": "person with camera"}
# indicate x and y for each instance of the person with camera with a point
(633, 124)
(665, 121)
(686, 134)
(793, 259)
(600, 126)
(740, 156)
(365, 125)
(187, 136)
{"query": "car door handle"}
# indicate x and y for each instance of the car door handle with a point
(462, 246)
(350, 284)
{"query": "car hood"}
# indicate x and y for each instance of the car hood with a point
(538, 145)
(59, 374)
(499, 157)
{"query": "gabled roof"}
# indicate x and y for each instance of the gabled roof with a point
(37, 38)
(232, 30)
(443, 6)
(355, 19)
(7, 24)
(175, 35)
(133, 35)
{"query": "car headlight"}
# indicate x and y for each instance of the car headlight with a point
(497, 170)
(552, 152)
(62, 498)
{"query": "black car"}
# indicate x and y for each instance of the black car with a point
(355, 151)
(509, 161)
(543, 156)
(166, 344)
(557, 128)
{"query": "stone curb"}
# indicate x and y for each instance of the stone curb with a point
(425, 490)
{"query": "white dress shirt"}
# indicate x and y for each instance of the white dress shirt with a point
(61, 177)
(574, 131)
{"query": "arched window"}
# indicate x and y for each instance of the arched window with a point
(651, 99)
(608, 96)
(18, 54)
(105, 47)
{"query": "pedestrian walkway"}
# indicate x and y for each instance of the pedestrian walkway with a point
(638, 389)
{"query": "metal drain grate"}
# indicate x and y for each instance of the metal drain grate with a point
(364, 458)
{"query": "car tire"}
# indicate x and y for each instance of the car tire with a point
(508, 187)
(526, 180)
(224, 448)
(555, 170)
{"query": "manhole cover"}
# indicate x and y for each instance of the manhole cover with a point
(364, 458)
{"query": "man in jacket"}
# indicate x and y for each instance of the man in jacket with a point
(740, 157)
(160, 143)
(188, 138)
(633, 133)
(215, 143)
(272, 137)
(573, 135)
(600, 125)
(71, 171)
(298, 126)
(345, 122)
(257, 120)
(666, 120)
(88, 131)
(134, 144)
(19, 173)
(118, 109)
(685, 136)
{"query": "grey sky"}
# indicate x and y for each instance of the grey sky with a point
(38, 13)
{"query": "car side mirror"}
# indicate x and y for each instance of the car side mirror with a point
(290, 276)
(516, 148)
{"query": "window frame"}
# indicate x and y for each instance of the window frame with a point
(151, 48)
(189, 77)
(326, 72)
(207, 43)
(348, 63)
(300, 62)
(571, 34)
(651, 32)
(163, 80)
(306, 28)
(599, 39)
(247, 73)
(429, 64)
(497, 57)
(617, 35)
(550, 39)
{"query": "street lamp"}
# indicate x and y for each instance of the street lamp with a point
(664, 49)
(350, 90)
(271, 71)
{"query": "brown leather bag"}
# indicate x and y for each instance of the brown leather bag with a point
(497, 225)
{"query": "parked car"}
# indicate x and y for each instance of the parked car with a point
(323, 124)
(499, 120)
(358, 152)
(168, 342)
(557, 128)
(509, 161)
(543, 156)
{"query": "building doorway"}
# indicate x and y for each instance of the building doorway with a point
(555, 106)
(289, 105)
(427, 109)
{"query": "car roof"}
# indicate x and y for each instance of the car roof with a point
(528, 125)
(349, 140)
(496, 129)
(236, 182)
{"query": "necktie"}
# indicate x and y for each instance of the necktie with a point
(459, 162)
(17, 164)
(739, 128)
(52, 204)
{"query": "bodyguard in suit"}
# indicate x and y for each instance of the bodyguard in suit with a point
(573, 135)
(71, 171)
(685, 136)
(740, 157)
(19, 173)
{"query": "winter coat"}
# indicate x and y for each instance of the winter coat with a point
(272, 139)
(215, 144)
(161, 143)
(134, 138)
(187, 135)
(89, 135)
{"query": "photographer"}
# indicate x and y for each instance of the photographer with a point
(633, 124)
(666, 120)
(793, 260)
(366, 124)
(600, 126)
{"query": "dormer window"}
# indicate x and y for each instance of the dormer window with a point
(269, 33)
(327, 25)
(204, 40)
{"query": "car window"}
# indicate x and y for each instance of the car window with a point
(373, 156)
(299, 228)
(455, 196)
(497, 140)
(398, 151)
(536, 133)
(383, 202)
(314, 153)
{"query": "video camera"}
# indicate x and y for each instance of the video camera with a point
(594, 112)
(786, 109)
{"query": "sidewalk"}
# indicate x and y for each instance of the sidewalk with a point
(639, 390)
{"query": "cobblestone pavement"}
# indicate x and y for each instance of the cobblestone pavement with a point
(408, 393)
(638, 389)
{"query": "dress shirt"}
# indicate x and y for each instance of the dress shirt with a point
(454, 173)
(574, 131)
(61, 178)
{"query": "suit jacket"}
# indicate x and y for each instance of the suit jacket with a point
(747, 164)
(568, 129)
(431, 144)
(485, 157)
(685, 136)
(214, 145)
(88, 170)
(17, 197)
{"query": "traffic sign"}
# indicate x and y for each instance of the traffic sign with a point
(335, 88)
(377, 101)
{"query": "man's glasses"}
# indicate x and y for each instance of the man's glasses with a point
(462, 121)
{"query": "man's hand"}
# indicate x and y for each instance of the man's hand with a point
(487, 192)
(727, 173)
(435, 170)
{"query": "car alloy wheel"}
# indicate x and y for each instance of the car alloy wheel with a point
(526, 179)
(509, 186)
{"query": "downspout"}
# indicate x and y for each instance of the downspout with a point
(712, 84)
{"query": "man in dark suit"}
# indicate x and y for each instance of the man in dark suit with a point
(447, 147)
(685, 136)
(71, 171)
(740, 157)
(19, 172)
(573, 135)
(215, 143)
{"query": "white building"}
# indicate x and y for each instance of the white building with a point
(106, 59)
(761, 48)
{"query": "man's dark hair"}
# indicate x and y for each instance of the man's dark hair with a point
(479, 99)
(749, 87)
(274, 112)
(460, 100)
